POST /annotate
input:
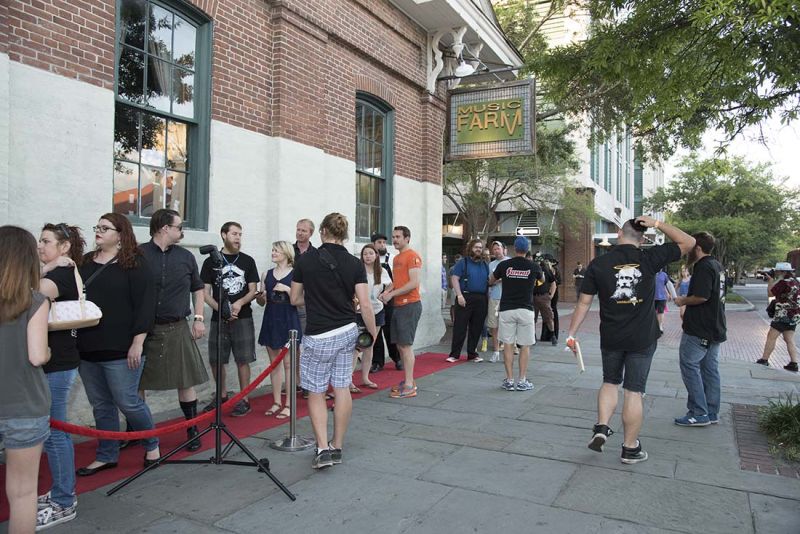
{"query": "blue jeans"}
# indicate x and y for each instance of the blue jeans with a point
(700, 372)
(59, 448)
(112, 388)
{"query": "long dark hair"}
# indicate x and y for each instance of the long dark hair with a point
(19, 271)
(128, 248)
(377, 270)
(72, 234)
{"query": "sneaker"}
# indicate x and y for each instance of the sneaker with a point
(213, 404)
(43, 501)
(600, 435)
(508, 385)
(495, 357)
(451, 359)
(475, 359)
(336, 454)
(633, 456)
(322, 459)
(524, 385)
(692, 420)
(713, 418)
(242, 408)
(554, 340)
(791, 366)
(762, 361)
(55, 515)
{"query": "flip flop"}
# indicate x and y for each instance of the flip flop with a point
(282, 415)
(273, 410)
(354, 389)
(370, 385)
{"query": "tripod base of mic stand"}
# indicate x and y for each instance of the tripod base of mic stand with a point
(293, 443)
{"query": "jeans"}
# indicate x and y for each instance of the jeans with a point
(112, 388)
(59, 448)
(700, 372)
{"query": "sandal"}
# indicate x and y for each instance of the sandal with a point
(354, 389)
(370, 385)
(275, 408)
(282, 415)
(329, 396)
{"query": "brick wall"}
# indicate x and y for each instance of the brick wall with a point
(289, 68)
(578, 247)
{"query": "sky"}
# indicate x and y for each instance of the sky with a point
(781, 147)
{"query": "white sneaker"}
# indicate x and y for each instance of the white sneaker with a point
(55, 515)
(495, 357)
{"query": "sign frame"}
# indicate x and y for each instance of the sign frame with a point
(530, 83)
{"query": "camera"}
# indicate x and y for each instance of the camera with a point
(364, 340)
(279, 297)
(770, 273)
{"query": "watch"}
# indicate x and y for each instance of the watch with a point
(199, 318)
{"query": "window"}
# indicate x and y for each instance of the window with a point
(607, 167)
(374, 166)
(594, 163)
(620, 167)
(161, 115)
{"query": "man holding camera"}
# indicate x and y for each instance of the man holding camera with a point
(240, 281)
(624, 280)
(704, 329)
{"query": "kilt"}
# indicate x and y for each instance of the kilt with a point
(173, 359)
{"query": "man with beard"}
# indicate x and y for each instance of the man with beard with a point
(470, 281)
(240, 281)
(173, 359)
(704, 329)
(495, 293)
(624, 280)
(385, 332)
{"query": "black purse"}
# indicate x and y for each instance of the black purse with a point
(771, 308)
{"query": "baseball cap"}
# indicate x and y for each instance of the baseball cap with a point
(521, 244)
(374, 237)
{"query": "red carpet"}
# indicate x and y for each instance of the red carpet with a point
(130, 460)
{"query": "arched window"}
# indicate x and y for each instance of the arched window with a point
(374, 166)
(161, 119)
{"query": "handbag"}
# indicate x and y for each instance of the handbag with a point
(75, 314)
(771, 308)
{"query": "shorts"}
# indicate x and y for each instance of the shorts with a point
(404, 323)
(238, 336)
(661, 305)
(516, 326)
(24, 432)
(327, 360)
(380, 319)
(782, 327)
(492, 319)
(634, 363)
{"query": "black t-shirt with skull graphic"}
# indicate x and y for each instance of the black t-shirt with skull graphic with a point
(237, 271)
(624, 281)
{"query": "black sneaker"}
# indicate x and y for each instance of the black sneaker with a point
(633, 456)
(322, 459)
(242, 408)
(600, 435)
(791, 366)
(336, 454)
(554, 340)
(213, 404)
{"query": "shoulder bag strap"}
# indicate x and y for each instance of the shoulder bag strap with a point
(96, 273)
(328, 261)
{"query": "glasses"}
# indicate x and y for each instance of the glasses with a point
(103, 229)
(179, 227)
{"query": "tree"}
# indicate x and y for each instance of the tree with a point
(750, 213)
(477, 188)
(670, 69)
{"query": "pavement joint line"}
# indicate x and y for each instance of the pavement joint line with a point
(752, 514)
(424, 514)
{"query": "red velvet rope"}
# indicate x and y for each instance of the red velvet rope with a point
(144, 434)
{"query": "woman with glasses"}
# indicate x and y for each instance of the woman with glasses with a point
(279, 317)
(116, 278)
(24, 394)
(61, 252)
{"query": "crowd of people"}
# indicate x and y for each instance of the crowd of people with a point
(333, 300)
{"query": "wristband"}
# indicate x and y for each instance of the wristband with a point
(199, 318)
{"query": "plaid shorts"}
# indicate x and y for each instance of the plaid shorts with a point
(327, 360)
(238, 336)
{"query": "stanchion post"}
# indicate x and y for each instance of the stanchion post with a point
(293, 442)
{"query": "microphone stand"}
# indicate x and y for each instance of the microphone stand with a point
(218, 425)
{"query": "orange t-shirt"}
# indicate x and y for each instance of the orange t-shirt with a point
(403, 262)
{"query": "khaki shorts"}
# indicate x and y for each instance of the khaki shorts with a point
(516, 326)
(492, 318)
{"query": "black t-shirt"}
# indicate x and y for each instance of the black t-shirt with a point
(237, 271)
(707, 320)
(519, 276)
(328, 304)
(542, 287)
(624, 280)
(63, 344)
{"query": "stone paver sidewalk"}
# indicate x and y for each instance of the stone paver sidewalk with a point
(465, 456)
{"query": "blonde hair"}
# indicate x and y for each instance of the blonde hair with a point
(335, 225)
(286, 248)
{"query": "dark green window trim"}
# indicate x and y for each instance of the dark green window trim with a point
(387, 175)
(199, 127)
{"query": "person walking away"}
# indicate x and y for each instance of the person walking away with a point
(495, 294)
(624, 280)
(704, 330)
(470, 280)
(786, 290)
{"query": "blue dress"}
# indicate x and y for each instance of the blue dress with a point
(279, 316)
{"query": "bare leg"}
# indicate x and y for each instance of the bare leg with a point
(407, 355)
(495, 340)
(769, 346)
(631, 417)
(366, 365)
(342, 410)
(220, 379)
(318, 410)
(524, 352)
(508, 360)
(788, 337)
(276, 376)
(606, 402)
(22, 472)
(187, 395)
(244, 375)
